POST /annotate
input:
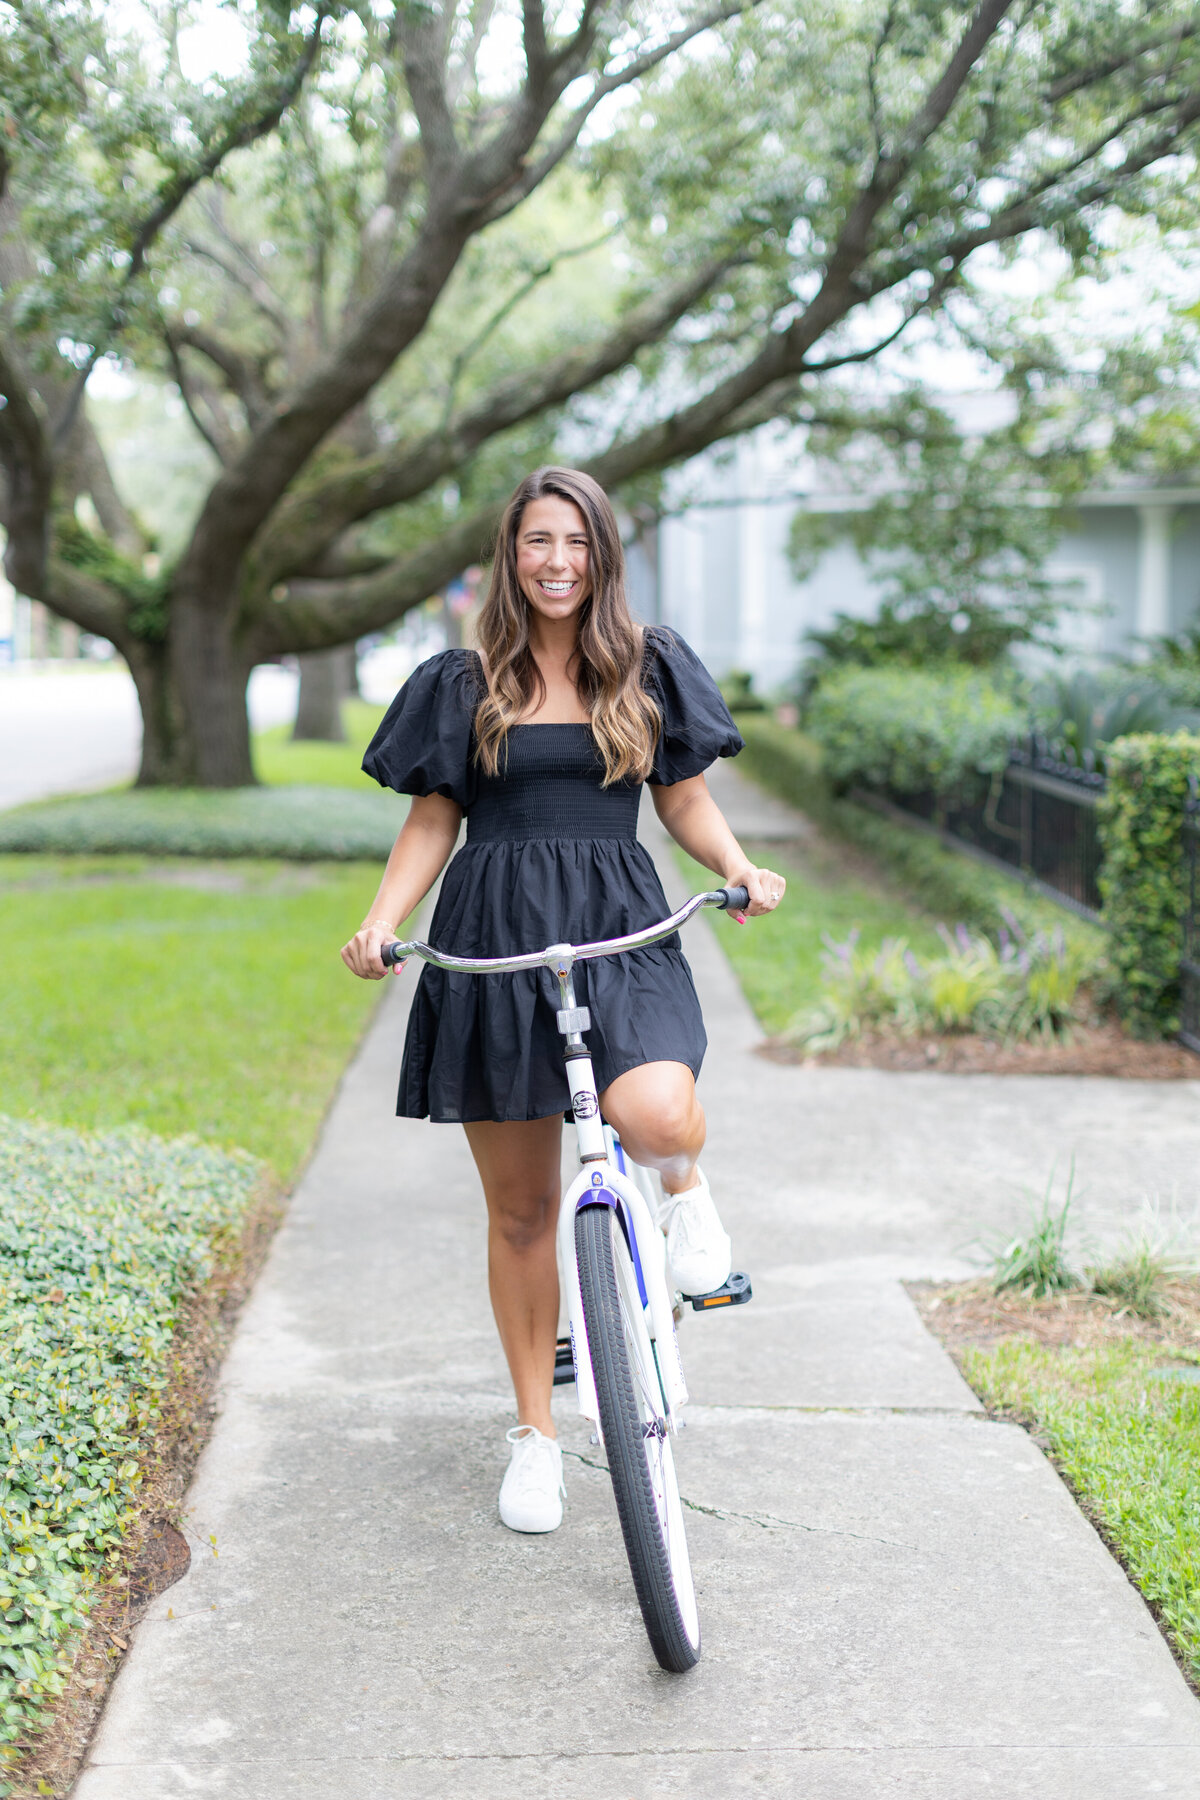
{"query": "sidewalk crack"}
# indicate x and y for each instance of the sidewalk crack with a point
(764, 1520)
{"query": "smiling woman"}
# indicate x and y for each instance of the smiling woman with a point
(543, 739)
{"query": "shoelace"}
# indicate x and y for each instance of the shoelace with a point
(684, 1216)
(538, 1445)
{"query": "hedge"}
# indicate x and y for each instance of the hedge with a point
(948, 884)
(909, 730)
(101, 1237)
(1142, 876)
(300, 824)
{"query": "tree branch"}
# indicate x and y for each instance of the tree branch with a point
(84, 599)
(1036, 206)
(253, 285)
(1083, 78)
(633, 70)
(853, 242)
(28, 480)
(308, 521)
(240, 133)
(506, 310)
(212, 429)
(174, 192)
(421, 35)
(319, 614)
(241, 377)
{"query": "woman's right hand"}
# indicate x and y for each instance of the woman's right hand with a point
(361, 955)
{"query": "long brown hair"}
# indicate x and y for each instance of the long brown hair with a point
(609, 653)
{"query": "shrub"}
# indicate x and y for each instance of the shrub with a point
(944, 881)
(1021, 987)
(737, 690)
(300, 824)
(100, 1239)
(1142, 876)
(1088, 710)
(909, 730)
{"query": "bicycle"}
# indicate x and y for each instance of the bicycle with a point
(622, 1352)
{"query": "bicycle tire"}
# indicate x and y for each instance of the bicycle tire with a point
(642, 1466)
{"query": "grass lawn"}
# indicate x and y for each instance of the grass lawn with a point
(1114, 1398)
(280, 763)
(777, 958)
(1127, 1438)
(179, 994)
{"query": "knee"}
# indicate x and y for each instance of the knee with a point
(668, 1128)
(522, 1221)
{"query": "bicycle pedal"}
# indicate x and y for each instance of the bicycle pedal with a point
(735, 1292)
(564, 1363)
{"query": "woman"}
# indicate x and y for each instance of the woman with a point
(543, 739)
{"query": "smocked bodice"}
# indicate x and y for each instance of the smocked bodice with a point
(550, 786)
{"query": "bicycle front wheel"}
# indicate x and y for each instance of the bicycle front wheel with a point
(637, 1439)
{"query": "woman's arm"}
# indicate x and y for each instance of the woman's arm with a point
(418, 857)
(694, 820)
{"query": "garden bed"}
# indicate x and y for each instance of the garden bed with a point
(1090, 1050)
(108, 1246)
(1114, 1400)
(321, 823)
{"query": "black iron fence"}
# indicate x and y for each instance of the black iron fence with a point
(1189, 967)
(1038, 815)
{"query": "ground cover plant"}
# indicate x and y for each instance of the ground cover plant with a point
(1114, 1398)
(101, 1240)
(303, 824)
(315, 805)
(1017, 988)
(181, 995)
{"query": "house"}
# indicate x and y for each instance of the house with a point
(1130, 553)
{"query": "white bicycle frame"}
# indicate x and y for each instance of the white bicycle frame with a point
(607, 1177)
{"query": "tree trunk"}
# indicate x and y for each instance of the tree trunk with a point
(327, 677)
(163, 759)
(209, 673)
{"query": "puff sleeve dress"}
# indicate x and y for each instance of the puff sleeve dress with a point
(551, 856)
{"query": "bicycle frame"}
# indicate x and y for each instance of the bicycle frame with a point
(607, 1177)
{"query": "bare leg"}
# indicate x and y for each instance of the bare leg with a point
(520, 1164)
(655, 1111)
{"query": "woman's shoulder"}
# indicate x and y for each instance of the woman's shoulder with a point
(696, 725)
(447, 668)
(672, 666)
(422, 745)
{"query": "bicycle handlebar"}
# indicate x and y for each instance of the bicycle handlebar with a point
(730, 899)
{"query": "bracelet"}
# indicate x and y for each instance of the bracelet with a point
(367, 923)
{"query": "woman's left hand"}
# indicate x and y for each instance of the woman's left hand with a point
(765, 888)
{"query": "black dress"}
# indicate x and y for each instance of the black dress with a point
(551, 856)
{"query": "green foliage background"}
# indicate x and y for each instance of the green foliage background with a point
(908, 730)
(1142, 876)
(101, 1238)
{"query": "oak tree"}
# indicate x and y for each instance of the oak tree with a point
(410, 248)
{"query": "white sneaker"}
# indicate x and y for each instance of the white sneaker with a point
(698, 1246)
(532, 1492)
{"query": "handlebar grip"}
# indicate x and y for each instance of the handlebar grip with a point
(391, 953)
(736, 899)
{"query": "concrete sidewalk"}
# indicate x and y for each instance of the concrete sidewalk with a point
(898, 1597)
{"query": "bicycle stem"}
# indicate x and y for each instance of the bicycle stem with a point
(573, 1020)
